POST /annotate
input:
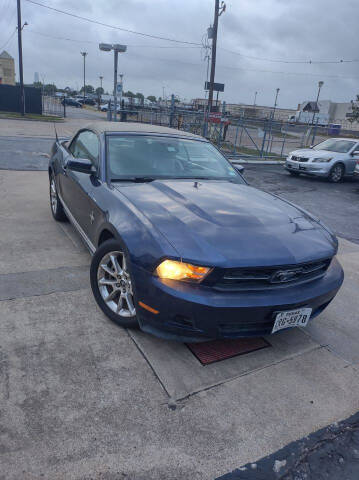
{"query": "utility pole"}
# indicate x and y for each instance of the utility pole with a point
(217, 13)
(21, 71)
(84, 55)
(255, 98)
(101, 78)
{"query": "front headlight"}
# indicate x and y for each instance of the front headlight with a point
(174, 270)
(322, 159)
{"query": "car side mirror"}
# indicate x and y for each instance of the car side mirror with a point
(82, 165)
(239, 168)
(356, 152)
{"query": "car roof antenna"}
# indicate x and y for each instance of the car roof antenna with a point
(57, 138)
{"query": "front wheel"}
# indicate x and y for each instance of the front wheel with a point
(336, 173)
(294, 174)
(57, 209)
(112, 283)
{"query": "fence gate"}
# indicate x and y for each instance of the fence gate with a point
(51, 105)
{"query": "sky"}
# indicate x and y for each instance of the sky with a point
(257, 31)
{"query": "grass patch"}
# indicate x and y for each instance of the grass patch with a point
(31, 116)
(249, 151)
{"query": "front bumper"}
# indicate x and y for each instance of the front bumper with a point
(317, 169)
(195, 313)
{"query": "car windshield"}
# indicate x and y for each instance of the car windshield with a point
(154, 157)
(339, 146)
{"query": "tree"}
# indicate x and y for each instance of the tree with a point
(50, 88)
(99, 91)
(354, 116)
(37, 84)
(88, 89)
(151, 98)
(129, 94)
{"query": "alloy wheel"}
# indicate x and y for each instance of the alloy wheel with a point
(115, 285)
(336, 173)
(53, 195)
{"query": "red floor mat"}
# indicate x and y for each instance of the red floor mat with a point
(216, 350)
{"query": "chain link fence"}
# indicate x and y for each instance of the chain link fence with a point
(244, 136)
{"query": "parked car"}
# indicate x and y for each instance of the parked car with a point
(106, 106)
(182, 246)
(334, 159)
(86, 100)
(356, 169)
(71, 102)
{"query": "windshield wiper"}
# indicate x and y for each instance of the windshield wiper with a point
(134, 179)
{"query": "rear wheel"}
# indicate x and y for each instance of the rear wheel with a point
(336, 173)
(112, 283)
(57, 209)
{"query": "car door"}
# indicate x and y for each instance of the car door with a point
(351, 162)
(76, 187)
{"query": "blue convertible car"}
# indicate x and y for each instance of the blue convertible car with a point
(182, 246)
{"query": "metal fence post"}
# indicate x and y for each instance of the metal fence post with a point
(220, 133)
(172, 111)
(64, 106)
(315, 131)
(235, 139)
(264, 137)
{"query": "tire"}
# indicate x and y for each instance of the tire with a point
(57, 209)
(337, 173)
(294, 174)
(114, 291)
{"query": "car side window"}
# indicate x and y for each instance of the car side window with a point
(86, 145)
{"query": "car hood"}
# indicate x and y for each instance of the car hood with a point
(310, 153)
(226, 224)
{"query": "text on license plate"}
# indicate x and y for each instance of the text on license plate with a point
(292, 318)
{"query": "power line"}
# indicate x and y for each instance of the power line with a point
(197, 64)
(8, 40)
(111, 26)
(310, 62)
(96, 43)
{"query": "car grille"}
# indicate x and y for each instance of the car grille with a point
(299, 159)
(261, 278)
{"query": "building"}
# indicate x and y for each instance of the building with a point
(36, 77)
(324, 111)
(201, 103)
(258, 111)
(7, 69)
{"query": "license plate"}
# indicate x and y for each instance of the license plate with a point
(292, 318)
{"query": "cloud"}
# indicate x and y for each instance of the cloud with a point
(274, 29)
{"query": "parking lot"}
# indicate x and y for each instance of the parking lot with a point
(82, 398)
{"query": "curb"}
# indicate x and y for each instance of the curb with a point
(259, 162)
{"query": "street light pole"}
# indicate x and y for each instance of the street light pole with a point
(115, 85)
(107, 47)
(21, 71)
(84, 55)
(320, 84)
(255, 98)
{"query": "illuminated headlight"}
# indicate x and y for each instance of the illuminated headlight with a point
(322, 159)
(174, 270)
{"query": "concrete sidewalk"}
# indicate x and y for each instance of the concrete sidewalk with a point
(81, 398)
